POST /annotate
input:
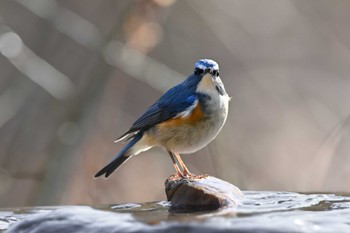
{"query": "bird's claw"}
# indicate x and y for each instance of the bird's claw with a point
(185, 174)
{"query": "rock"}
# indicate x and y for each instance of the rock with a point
(200, 193)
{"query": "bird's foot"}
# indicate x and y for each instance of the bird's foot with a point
(181, 176)
(187, 174)
(176, 176)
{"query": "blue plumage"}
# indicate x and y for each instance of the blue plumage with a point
(171, 103)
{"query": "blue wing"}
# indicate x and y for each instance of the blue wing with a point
(173, 102)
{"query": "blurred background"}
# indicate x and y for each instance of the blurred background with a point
(74, 75)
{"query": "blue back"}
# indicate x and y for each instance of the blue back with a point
(170, 104)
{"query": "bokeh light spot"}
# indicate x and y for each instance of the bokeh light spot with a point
(10, 44)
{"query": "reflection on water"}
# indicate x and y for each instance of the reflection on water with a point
(267, 211)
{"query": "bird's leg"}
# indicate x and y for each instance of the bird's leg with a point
(185, 171)
(177, 169)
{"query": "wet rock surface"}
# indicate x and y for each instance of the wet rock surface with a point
(258, 212)
(200, 193)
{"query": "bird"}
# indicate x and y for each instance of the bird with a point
(182, 121)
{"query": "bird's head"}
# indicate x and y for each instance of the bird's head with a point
(205, 66)
(208, 72)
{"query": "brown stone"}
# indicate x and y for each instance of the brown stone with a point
(201, 192)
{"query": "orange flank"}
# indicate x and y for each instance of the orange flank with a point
(191, 119)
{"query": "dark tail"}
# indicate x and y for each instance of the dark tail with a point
(119, 159)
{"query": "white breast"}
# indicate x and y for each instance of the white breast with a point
(204, 132)
(216, 111)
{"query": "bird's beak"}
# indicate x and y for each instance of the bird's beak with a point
(213, 78)
(207, 71)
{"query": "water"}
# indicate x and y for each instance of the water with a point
(258, 212)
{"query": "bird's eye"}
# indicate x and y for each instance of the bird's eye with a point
(198, 71)
(216, 73)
